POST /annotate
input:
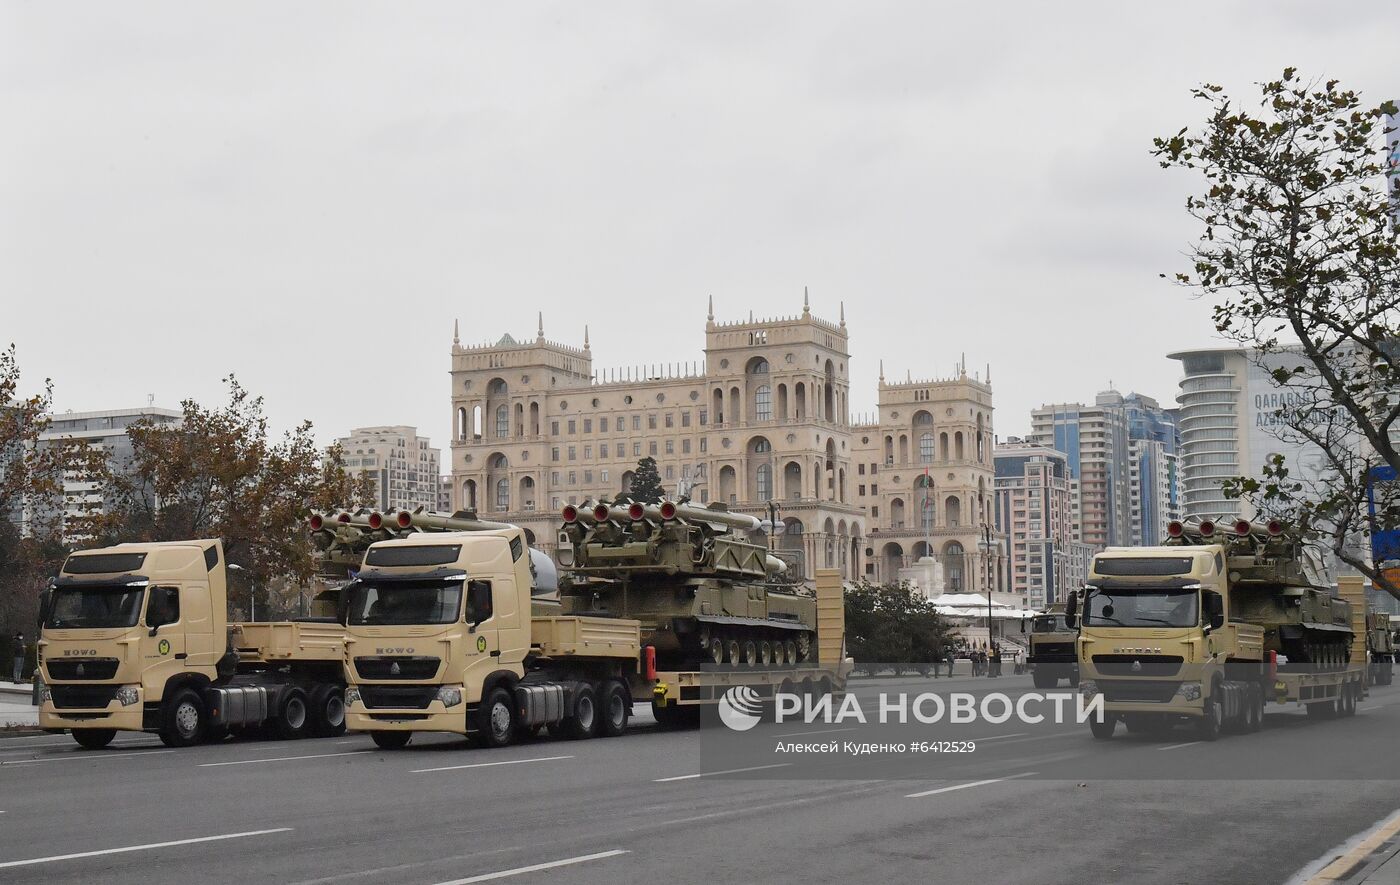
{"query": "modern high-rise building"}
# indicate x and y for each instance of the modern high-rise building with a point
(105, 431)
(762, 419)
(1035, 506)
(1095, 442)
(405, 466)
(1229, 420)
(1154, 465)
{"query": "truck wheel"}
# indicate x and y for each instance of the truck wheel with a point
(789, 652)
(1208, 727)
(183, 719)
(1347, 702)
(615, 707)
(94, 738)
(391, 740)
(1073, 679)
(293, 715)
(1254, 710)
(327, 711)
(583, 721)
(1044, 678)
(495, 719)
(1103, 730)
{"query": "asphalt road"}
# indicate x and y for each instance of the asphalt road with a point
(640, 808)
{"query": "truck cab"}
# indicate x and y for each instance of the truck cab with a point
(442, 635)
(136, 637)
(1051, 648)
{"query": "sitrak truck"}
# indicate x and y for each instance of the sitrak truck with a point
(1215, 624)
(456, 625)
(136, 638)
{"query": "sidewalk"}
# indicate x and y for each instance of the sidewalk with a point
(1372, 857)
(15, 708)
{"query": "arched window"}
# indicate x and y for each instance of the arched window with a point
(503, 420)
(953, 566)
(763, 403)
(502, 494)
(761, 444)
(926, 448)
(763, 479)
(954, 509)
(758, 367)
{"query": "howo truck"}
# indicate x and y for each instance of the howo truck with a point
(1215, 624)
(136, 638)
(1051, 648)
(464, 632)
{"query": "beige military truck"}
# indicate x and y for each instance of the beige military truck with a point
(136, 638)
(1380, 649)
(1212, 626)
(463, 632)
(1051, 652)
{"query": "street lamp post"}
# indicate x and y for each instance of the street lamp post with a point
(252, 600)
(986, 547)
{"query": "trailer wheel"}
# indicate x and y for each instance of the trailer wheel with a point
(391, 740)
(495, 719)
(1209, 726)
(789, 652)
(183, 719)
(1346, 702)
(1254, 710)
(583, 721)
(615, 707)
(94, 738)
(1103, 730)
(1044, 678)
(327, 711)
(293, 716)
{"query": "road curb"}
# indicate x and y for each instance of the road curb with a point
(1357, 863)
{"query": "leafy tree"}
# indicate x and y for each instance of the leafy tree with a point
(646, 483)
(36, 521)
(893, 624)
(221, 474)
(1299, 253)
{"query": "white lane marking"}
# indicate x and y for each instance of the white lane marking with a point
(798, 734)
(534, 868)
(1178, 746)
(687, 777)
(995, 780)
(58, 740)
(489, 764)
(81, 756)
(280, 759)
(998, 737)
(148, 847)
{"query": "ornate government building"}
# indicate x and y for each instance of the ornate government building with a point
(764, 417)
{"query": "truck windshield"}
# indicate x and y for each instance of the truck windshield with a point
(405, 602)
(1141, 607)
(76, 608)
(1049, 624)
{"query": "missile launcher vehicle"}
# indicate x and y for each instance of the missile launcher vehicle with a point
(702, 591)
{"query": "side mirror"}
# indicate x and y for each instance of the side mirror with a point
(1072, 611)
(154, 630)
(1217, 621)
(1215, 610)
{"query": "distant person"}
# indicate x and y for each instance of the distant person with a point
(952, 660)
(18, 650)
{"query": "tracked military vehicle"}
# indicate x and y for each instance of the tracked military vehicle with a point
(702, 592)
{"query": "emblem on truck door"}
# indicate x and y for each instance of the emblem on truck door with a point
(164, 647)
(481, 643)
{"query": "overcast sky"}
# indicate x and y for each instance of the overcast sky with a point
(308, 194)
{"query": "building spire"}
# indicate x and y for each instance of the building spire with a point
(806, 305)
(585, 336)
(882, 371)
(843, 313)
(711, 316)
(539, 333)
(456, 334)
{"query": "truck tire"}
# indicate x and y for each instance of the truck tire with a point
(1346, 702)
(183, 719)
(1103, 731)
(391, 740)
(1044, 678)
(582, 722)
(94, 738)
(495, 719)
(1209, 726)
(1254, 710)
(614, 706)
(327, 711)
(293, 715)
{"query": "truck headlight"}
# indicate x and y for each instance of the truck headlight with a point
(1088, 687)
(450, 695)
(1191, 691)
(128, 695)
(352, 695)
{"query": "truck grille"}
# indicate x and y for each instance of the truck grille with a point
(404, 667)
(398, 697)
(83, 668)
(1132, 690)
(1149, 665)
(80, 697)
